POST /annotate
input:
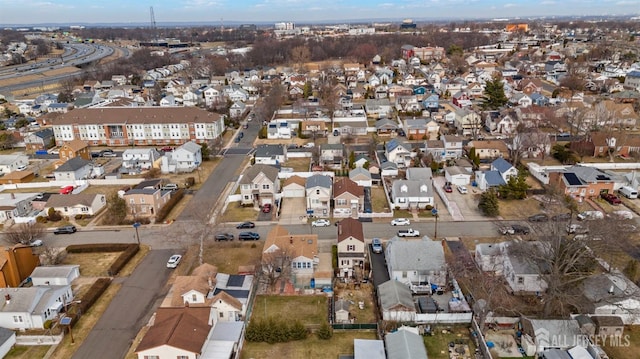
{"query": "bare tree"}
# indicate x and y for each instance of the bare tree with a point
(275, 265)
(24, 233)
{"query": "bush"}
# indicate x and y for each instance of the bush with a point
(99, 247)
(164, 211)
(54, 216)
(91, 296)
(123, 259)
(297, 331)
(275, 330)
(334, 256)
(47, 324)
(428, 207)
(152, 173)
(190, 181)
(41, 219)
(324, 332)
(79, 217)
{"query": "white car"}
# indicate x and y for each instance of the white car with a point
(21, 167)
(400, 222)
(462, 190)
(320, 223)
(174, 260)
(36, 243)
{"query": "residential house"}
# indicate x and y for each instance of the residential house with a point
(521, 100)
(608, 325)
(140, 158)
(278, 129)
(461, 99)
(270, 154)
(467, 122)
(348, 198)
(319, 193)
(145, 200)
(490, 257)
(612, 294)
(532, 144)
(378, 108)
(453, 146)
(416, 129)
(418, 264)
(144, 126)
(405, 343)
(362, 177)
(489, 149)
(583, 182)
(55, 275)
(521, 274)
(411, 194)
(32, 307)
(539, 335)
(351, 248)
(388, 169)
(312, 127)
(435, 149)
(396, 302)
(341, 311)
(17, 262)
(538, 99)
(11, 163)
(385, 126)
(332, 154)
(176, 333)
(489, 179)
(7, 341)
(368, 349)
(39, 140)
(301, 249)
(432, 103)
(259, 185)
(457, 176)
(76, 168)
(224, 340)
(71, 205)
(398, 152)
(506, 169)
(237, 109)
(185, 158)
(73, 148)
(15, 205)
(294, 187)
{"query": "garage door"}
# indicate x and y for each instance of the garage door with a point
(293, 193)
(459, 180)
(266, 200)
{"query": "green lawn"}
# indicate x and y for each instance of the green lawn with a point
(311, 348)
(309, 309)
(379, 200)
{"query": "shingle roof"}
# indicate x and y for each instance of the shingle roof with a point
(415, 255)
(184, 284)
(350, 227)
(345, 185)
(403, 344)
(493, 178)
(296, 244)
(185, 328)
(73, 165)
(501, 165)
(190, 147)
(393, 293)
(250, 174)
(76, 145)
(58, 271)
(70, 200)
(227, 298)
(294, 179)
(269, 150)
(136, 115)
(318, 181)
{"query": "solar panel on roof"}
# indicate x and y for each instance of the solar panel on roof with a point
(572, 179)
(235, 281)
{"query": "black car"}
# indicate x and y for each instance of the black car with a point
(65, 230)
(245, 225)
(540, 217)
(224, 237)
(248, 236)
(561, 217)
(518, 229)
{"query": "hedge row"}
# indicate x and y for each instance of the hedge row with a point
(91, 296)
(123, 259)
(164, 211)
(275, 330)
(98, 247)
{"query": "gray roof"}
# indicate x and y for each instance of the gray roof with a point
(342, 304)
(419, 173)
(494, 178)
(419, 123)
(359, 171)
(269, 150)
(10, 159)
(333, 146)
(227, 331)
(250, 174)
(386, 124)
(69, 200)
(522, 265)
(393, 293)
(73, 165)
(318, 181)
(47, 132)
(501, 165)
(555, 354)
(489, 249)
(413, 188)
(415, 255)
(28, 299)
(597, 288)
(457, 170)
(368, 349)
(555, 328)
(388, 165)
(404, 344)
(53, 271)
(191, 147)
(5, 334)
(589, 174)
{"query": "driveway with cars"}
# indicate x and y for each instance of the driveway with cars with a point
(129, 310)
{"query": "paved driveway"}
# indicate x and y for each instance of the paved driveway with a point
(292, 210)
(129, 310)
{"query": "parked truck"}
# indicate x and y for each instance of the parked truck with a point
(408, 233)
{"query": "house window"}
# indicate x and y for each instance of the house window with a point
(591, 191)
(85, 209)
(318, 191)
(221, 314)
(265, 186)
(246, 197)
(17, 319)
(404, 274)
(341, 202)
(141, 199)
(194, 297)
(151, 357)
(402, 200)
(520, 280)
(132, 201)
(351, 247)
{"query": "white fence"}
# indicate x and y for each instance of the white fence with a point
(612, 166)
(82, 183)
(38, 339)
(301, 154)
(444, 318)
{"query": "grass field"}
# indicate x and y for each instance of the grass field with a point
(235, 254)
(91, 264)
(236, 213)
(311, 348)
(519, 208)
(311, 309)
(298, 164)
(379, 200)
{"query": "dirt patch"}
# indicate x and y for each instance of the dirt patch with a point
(237, 213)
(298, 164)
(519, 208)
(363, 294)
(92, 264)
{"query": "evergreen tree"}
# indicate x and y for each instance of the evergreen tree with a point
(307, 90)
(474, 158)
(324, 332)
(352, 160)
(297, 331)
(488, 203)
(494, 96)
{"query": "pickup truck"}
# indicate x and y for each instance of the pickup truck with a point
(408, 233)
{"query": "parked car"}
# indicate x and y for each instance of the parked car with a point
(170, 186)
(224, 237)
(237, 140)
(447, 188)
(506, 230)
(540, 217)
(320, 223)
(400, 222)
(463, 190)
(21, 167)
(167, 149)
(36, 243)
(408, 233)
(590, 215)
(174, 260)
(66, 190)
(266, 208)
(245, 126)
(576, 228)
(611, 198)
(519, 229)
(248, 236)
(561, 217)
(65, 230)
(376, 245)
(246, 225)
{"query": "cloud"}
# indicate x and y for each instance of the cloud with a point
(509, 5)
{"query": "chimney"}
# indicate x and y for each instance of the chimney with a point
(210, 282)
(7, 297)
(611, 290)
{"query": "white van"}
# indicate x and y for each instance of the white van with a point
(628, 192)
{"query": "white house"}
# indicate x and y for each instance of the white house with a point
(490, 257)
(31, 307)
(407, 194)
(55, 275)
(396, 302)
(7, 341)
(74, 169)
(270, 154)
(319, 193)
(398, 153)
(10, 163)
(613, 294)
(139, 158)
(74, 204)
(416, 263)
(351, 246)
(405, 343)
(452, 146)
(185, 158)
(506, 169)
(457, 176)
(521, 274)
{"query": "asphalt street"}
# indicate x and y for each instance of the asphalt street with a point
(129, 310)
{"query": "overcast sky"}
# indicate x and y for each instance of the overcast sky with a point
(136, 11)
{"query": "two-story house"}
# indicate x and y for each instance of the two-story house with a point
(452, 146)
(583, 182)
(259, 185)
(332, 154)
(73, 148)
(146, 199)
(319, 189)
(416, 129)
(411, 194)
(398, 152)
(351, 247)
(185, 158)
(39, 140)
(348, 198)
(140, 158)
(76, 168)
(31, 307)
(270, 154)
(506, 169)
(12, 163)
